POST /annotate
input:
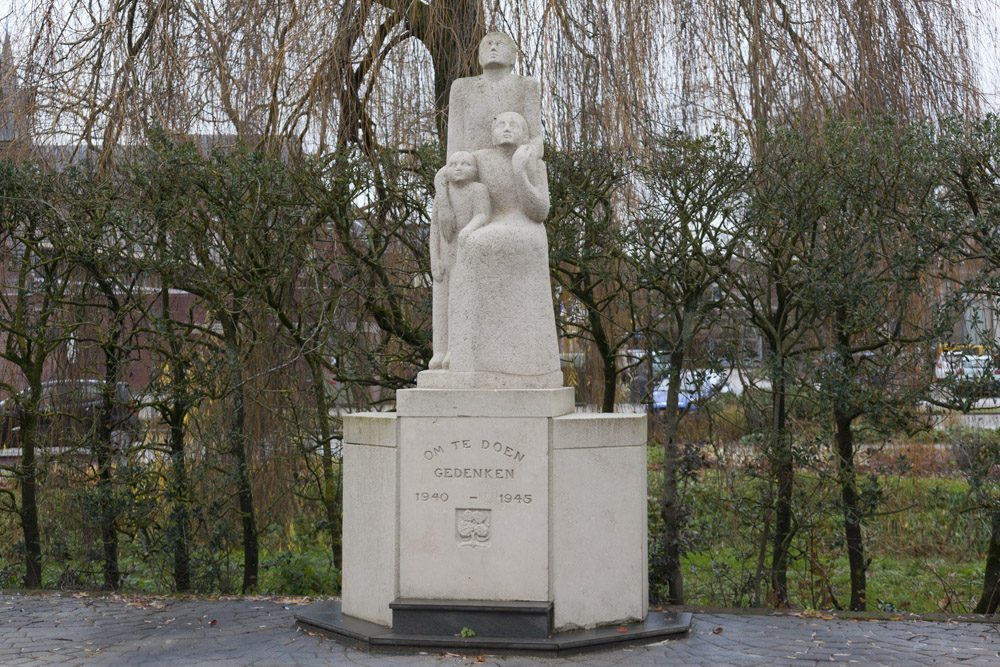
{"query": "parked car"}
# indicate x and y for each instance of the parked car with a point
(968, 368)
(697, 386)
(638, 369)
(69, 406)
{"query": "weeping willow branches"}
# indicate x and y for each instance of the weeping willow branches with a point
(375, 73)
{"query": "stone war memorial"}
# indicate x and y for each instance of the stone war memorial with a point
(485, 513)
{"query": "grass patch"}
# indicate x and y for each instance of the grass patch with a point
(924, 536)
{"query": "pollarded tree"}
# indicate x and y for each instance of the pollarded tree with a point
(974, 184)
(173, 336)
(883, 234)
(35, 321)
(771, 265)
(680, 241)
(307, 298)
(226, 245)
(103, 241)
(596, 285)
(380, 252)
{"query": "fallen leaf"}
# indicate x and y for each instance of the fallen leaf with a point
(717, 631)
(623, 629)
(214, 622)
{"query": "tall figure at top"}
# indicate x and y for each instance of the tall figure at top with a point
(476, 101)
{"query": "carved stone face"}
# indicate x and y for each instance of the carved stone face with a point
(462, 167)
(497, 49)
(510, 129)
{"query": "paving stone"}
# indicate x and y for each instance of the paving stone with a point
(57, 629)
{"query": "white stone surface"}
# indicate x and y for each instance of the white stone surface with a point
(432, 379)
(370, 517)
(502, 330)
(600, 429)
(370, 428)
(599, 540)
(475, 101)
(484, 402)
(580, 541)
(460, 203)
(473, 512)
(494, 324)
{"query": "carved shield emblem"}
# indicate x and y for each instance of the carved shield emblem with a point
(472, 527)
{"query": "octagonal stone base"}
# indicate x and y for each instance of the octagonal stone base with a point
(327, 618)
(495, 497)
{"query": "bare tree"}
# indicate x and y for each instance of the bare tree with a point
(760, 62)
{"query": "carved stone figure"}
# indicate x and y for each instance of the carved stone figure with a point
(502, 329)
(476, 101)
(492, 313)
(459, 201)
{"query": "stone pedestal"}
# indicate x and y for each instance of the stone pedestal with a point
(496, 496)
(484, 513)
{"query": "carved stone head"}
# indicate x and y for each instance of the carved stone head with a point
(510, 129)
(497, 49)
(462, 167)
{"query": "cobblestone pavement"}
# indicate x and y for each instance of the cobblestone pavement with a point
(91, 630)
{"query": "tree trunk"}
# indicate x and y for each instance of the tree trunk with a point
(843, 416)
(180, 516)
(852, 508)
(104, 450)
(609, 367)
(237, 449)
(451, 31)
(609, 356)
(784, 472)
(990, 599)
(670, 508)
(332, 487)
(179, 512)
(106, 519)
(104, 445)
(29, 488)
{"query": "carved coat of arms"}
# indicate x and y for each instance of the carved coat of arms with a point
(472, 527)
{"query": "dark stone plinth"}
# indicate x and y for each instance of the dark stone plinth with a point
(487, 618)
(326, 618)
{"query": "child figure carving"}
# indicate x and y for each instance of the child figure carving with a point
(459, 203)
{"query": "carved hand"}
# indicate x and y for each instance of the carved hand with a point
(522, 156)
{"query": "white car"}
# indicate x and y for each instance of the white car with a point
(964, 362)
(696, 386)
(967, 365)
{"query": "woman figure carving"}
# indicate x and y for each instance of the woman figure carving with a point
(502, 330)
